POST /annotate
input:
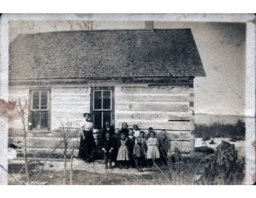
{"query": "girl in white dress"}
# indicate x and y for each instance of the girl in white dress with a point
(152, 145)
(136, 130)
(123, 155)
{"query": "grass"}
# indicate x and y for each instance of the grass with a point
(184, 173)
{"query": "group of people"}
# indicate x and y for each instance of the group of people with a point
(126, 147)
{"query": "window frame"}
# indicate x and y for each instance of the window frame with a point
(30, 110)
(40, 91)
(111, 99)
(112, 104)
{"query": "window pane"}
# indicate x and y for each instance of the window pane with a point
(97, 100)
(44, 119)
(44, 99)
(35, 116)
(107, 117)
(35, 100)
(106, 100)
(97, 119)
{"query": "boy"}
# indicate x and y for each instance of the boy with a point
(116, 139)
(131, 140)
(108, 147)
(107, 129)
(150, 129)
(139, 150)
(164, 147)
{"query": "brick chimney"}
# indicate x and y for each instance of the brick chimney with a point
(149, 26)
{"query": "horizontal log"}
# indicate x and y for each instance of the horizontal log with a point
(69, 106)
(70, 90)
(153, 115)
(13, 90)
(16, 97)
(183, 146)
(155, 89)
(44, 152)
(165, 107)
(72, 99)
(42, 142)
(178, 135)
(78, 114)
(156, 124)
(152, 98)
(76, 110)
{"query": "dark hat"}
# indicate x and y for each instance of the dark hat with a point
(87, 114)
(124, 123)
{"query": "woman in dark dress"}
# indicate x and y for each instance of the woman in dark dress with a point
(87, 150)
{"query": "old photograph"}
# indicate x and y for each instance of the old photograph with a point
(94, 102)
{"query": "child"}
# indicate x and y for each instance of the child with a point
(108, 147)
(124, 129)
(139, 150)
(123, 155)
(152, 152)
(116, 139)
(136, 130)
(164, 146)
(150, 129)
(131, 140)
(107, 129)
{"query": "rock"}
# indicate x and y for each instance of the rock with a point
(204, 149)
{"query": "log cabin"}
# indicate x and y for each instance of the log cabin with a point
(142, 77)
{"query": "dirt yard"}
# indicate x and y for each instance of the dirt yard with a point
(187, 175)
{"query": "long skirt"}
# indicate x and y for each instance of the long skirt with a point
(123, 154)
(153, 152)
(87, 149)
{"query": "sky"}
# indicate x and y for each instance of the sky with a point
(221, 47)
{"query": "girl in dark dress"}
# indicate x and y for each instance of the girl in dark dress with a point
(87, 150)
(131, 140)
(124, 130)
(116, 139)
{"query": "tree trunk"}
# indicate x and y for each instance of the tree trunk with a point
(25, 155)
(71, 168)
(65, 162)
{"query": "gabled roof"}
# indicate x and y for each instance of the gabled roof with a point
(105, 53)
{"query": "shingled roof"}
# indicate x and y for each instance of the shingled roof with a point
(105, 53)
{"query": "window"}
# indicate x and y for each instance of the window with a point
(39, 112)
(102, 107)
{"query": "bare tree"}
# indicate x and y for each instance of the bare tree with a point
(67, 137)
(22, 109)
(83, 25)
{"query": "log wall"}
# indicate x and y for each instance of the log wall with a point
(69, 103)
(160, 107)
(16, 93)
